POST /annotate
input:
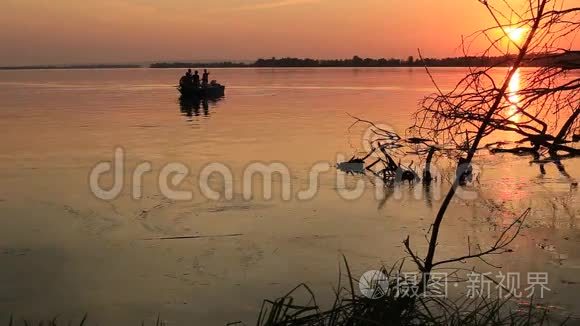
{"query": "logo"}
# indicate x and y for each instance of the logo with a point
(374, 284)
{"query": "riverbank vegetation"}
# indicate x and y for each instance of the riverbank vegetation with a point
(54, 67)
(567, 59)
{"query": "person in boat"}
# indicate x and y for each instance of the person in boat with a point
(186, 80)
(196, 79)
(205, 78)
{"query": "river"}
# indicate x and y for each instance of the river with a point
(66, 252)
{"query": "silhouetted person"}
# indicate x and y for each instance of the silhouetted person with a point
(183, 81)
(196, 79)
(205, 78)
(189, 76)
(186, 80)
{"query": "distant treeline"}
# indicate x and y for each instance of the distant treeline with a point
(569, 59)
(226, 64)
(103, 66)
(357, 61)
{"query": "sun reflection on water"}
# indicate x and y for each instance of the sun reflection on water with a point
(513, 97)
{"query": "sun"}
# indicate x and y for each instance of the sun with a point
(516, 34)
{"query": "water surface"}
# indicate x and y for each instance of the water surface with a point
(65, 252)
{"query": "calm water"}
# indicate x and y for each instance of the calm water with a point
(65, 252)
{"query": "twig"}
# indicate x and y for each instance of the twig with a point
(195, 237)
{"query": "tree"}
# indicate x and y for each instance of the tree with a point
(545, 114)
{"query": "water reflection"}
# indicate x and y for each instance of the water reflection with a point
(514, 98)
(191, 106)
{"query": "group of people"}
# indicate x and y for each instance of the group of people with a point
(193, 80)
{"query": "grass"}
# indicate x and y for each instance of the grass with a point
(350, 308)
(51, 322)
(393, 311)
(356, 310)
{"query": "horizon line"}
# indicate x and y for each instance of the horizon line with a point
(202, 61)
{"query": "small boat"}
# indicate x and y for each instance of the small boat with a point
(213, 90)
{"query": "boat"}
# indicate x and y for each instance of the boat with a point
(213, 90)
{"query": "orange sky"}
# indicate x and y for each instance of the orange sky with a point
(105, 31)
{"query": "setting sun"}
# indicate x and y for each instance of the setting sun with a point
(516, 34)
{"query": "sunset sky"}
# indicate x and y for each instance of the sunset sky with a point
(123, 31)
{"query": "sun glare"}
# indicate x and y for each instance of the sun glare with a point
(516, 34)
